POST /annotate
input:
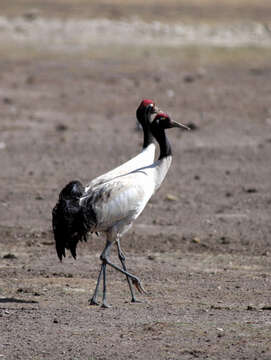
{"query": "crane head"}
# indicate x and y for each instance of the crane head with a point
(148, 105)
(163, 121)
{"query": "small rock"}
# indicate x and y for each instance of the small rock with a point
(10, 256)
(251, 308)
(39, 197)
(30, 79)
(157, 79)
(7, 100)
(250, 190)
(2, 145)
(151, 257)
(47, 243)
(171, 197)
(55, 321)
(256, 71)
(31, 15)
(189, 78)
(224, 240)
(61, 127)
(170, 93)
(196, 240)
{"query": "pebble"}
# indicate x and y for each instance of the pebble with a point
(171, 197)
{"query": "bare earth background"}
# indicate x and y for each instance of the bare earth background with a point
(72, 74)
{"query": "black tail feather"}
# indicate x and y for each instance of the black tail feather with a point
(68, 220)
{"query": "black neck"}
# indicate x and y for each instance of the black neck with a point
(160, 136)
(144, 118)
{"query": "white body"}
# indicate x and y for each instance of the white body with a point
(144, 158)
(118, 202)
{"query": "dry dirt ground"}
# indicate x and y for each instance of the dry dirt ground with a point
(201, 246)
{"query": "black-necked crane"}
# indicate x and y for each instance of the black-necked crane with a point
(113, 206)
(65, 213)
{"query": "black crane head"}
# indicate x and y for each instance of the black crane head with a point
(68, 226)
(163, 121)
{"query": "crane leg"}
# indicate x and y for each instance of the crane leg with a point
(105, 258)
(105, 261)
(93, 300)
(122, 260)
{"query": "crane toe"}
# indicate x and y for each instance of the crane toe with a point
(138, 286)
(93, 301)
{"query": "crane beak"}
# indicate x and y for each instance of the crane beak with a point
(178, 125)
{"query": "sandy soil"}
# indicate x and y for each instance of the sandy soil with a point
(201, 246)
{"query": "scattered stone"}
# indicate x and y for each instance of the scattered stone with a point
(196, 177)
(257, 71)
(2, 145)
(10, 256)
(30, 79)
(55, 321)
(224, 240)
(196, 240)
(7, 100)
(31, 15)
(39, 197)
(251, 308)
(171, 197)
(170, 93)
(157, 79)
(151, 257)
(61, 127)
(189, 78)
(47, 243)
(251, 190)
(220, 307)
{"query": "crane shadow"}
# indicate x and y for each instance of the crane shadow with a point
(17, 301)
